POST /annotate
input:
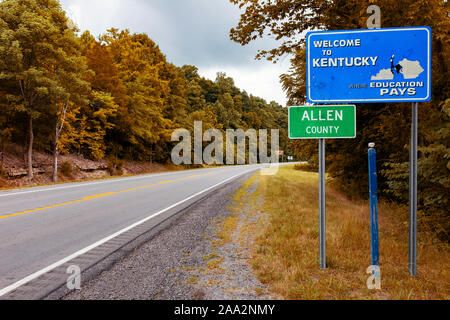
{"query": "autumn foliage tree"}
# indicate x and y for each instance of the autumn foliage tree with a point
(141, 123)
(41, 66)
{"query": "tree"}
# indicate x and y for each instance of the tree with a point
(39, 62)
(175, 99)
(5, 139)
(70, 71)
(190, 72)
(95, 116)
(195, 98)
(141, 122)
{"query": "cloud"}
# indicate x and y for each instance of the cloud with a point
(194, 32)
(258, 78)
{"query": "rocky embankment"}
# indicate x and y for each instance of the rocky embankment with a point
(13, 171)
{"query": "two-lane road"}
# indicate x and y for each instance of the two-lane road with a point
(42, 227)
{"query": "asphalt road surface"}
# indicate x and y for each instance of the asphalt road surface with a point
(44, 227)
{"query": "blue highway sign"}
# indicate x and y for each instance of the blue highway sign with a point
(365, 66)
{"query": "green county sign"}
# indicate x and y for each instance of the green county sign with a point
(322, 122)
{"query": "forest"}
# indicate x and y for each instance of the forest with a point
(63, 91)
(388, 125)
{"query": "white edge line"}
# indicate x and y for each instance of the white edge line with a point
(104, 240)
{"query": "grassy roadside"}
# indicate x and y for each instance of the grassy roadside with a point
(285, 252)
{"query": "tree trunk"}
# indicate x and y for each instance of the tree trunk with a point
(55, 159)
(30, 149)
(25, 149)
(58, 129)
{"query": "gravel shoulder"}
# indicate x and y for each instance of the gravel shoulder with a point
(203, 255)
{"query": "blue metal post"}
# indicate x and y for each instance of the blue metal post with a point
(373, 204)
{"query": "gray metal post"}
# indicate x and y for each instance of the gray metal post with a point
(412, 265)
(322, 219)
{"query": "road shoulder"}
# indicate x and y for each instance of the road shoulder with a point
(176, 263)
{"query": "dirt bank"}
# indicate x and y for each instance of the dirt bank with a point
(13, 171)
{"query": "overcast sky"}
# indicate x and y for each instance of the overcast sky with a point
(194, 32)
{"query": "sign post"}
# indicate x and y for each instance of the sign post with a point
(322, 207)
(322, 122)
(373, 205)
(412, 257)
(372, 66)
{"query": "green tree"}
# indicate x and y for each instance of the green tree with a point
(40, 62)
(141, 122)
(94, 117)
(196, 99)
(70, 71)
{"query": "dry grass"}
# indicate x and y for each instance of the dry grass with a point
(192, 280)
(285, 254)
(225, 230)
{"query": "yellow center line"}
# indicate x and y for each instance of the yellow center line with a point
(34, 210)
(104, 195)
(98, 196)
